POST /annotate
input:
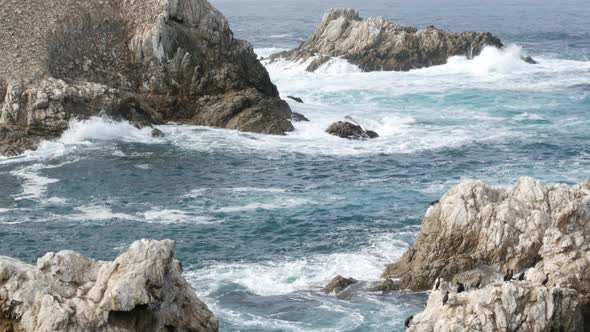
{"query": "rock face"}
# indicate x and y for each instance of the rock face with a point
(350, 130)
(141, 290)
(157, 60)
(510, 306)
(476, 229)
(530, 225)
(376, 44)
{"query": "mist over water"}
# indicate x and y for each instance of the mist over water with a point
(262, 223)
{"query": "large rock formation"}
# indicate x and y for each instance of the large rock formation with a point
(510, 306)
(476, 229)
(141, 290)
(157, 60)
(376, 44)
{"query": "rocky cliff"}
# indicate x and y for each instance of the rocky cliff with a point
(153, 60)
(141, 290)
(476, 232)
(376, 44)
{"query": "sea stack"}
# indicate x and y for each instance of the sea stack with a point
(148, 62)
(374, 44)
(141, 290)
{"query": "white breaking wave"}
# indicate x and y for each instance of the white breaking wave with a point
(97, 213)
(103, 129)
(310, 273)
(256, 190)
(171, 216)
(273, 205)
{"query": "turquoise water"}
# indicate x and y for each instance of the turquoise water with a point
(263, 222)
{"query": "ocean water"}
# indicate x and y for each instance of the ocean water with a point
(263, 222)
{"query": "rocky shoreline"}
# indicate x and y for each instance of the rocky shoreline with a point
(148, 63)
(141, 290)
(539, 233)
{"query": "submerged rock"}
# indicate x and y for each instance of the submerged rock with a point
(376, 44)
(529, 60)
(349, 130)
(297, 99)
(298, 117)
(151, 61)
(157, 133)
(141, 290)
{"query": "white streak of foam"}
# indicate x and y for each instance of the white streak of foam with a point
(34, 185)
(171, 216)
(274, 205)
(97, 213)
(310, 273)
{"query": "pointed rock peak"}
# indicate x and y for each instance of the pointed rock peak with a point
(336, 13)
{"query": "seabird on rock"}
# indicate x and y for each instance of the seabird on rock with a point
(521, 277)
(460, 287)
(546, 280)
(508, 275)
(408, 321)
(446, 298)
(437, 285)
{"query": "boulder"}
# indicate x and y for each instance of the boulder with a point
(157, 133)
(152, 61)
(297, 117)
(375, 44)
(141, 290)
(338, 284)
(529, 60)
(349, 130)
(529, 226)
(510, 306)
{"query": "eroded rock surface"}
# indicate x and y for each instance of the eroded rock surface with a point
(509, 306)
(530, 226)
(164, 60)
(141, 290)
(376, 44)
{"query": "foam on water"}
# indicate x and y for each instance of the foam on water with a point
(273, 205)
(98, 213)
(303, 274)
(34, 185)
(171, 216)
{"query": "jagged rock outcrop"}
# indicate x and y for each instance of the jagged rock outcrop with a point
(542, 228)
(345, 129)
(161, 60)
(141, 290)
(509, 306)
(376, 44)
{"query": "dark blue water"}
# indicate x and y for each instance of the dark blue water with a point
(264, 222)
